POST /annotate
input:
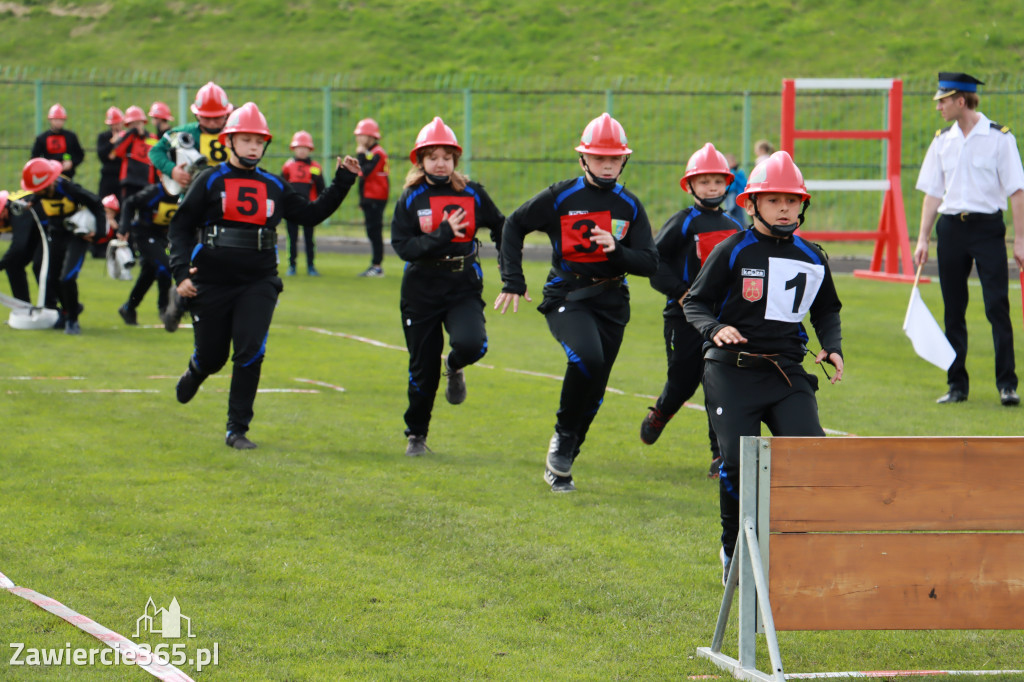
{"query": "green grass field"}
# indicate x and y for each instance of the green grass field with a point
(327, 555)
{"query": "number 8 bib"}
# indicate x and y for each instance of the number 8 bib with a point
(792, 287)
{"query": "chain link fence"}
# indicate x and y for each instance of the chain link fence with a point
(519, 137)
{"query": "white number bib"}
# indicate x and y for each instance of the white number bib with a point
(792, 286)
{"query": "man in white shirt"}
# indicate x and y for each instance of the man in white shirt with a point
(971, 168)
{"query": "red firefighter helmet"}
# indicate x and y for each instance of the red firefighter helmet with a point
(777, 173)
(57, 111)
(302, 139)
(134, 114)
(211, 102)
(39, 173)
(110, 201)
(367, 126)
(114, 116)
(161, 111)
(434, 134)
(707, 159)
(604, 136)
(246, 119)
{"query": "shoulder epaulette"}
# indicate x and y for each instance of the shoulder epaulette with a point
(998, 126)
(939, 132)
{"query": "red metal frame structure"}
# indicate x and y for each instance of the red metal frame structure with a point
(892, 246)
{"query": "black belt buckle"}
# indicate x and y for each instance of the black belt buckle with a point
(454, 263)
(266, 234)
(211, 236)
(964, 217)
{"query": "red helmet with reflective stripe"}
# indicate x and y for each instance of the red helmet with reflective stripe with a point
(367, 126)
(434, 134)
(39, 173)
(211, 102)
(57, 111)
(114, 116)
(134, 114)
(161, 111)
(604, 136)
(110, 201)
(246, 119)
(778, 174)
(707, 159)
(302, 139)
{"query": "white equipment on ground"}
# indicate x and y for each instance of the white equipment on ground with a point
(120, 260)
(82, 222)
(186, 154)
(25, 315)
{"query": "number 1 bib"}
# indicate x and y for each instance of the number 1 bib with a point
(792, 287)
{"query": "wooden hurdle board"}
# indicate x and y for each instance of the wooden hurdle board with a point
(873, 533)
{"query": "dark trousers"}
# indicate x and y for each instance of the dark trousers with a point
(683, 344)
(25, 248)
(738, 401)
(982, 243)
(67, 255)
(464, 322)
(236, 315)
(154, 266)
(373, 213)
(591, 341)
(293, 243)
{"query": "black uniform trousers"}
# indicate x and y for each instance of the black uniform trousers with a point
(980, 242)
(683, 347)
(462, 316)
(154, 266)
(739, 399)
(67, 255)
(239, 315)
(590, 332)
(293, 243)
(25, 248)
(373, 214)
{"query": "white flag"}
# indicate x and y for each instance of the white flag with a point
(922, 329)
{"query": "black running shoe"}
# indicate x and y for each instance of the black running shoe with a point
(559, 484)
(652, 425)
(238, 441)
(128, 315)
(188, 384)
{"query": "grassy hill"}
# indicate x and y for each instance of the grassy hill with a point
(574, 43)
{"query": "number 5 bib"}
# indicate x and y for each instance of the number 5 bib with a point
(792, 287)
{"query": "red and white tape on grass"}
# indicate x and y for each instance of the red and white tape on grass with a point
(617, 391)
(128, 649)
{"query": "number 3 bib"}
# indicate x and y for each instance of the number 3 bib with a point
(792, 287)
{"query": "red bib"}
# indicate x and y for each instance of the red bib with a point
(707, 241)
(440, 206)
(56, 144)
(245, 201)
(577, 231)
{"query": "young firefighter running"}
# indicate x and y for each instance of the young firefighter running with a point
(434, 231)
(684, 244)
(748, 302)
(599, 233)
(230, 274)
(72, 216)
(145, 217)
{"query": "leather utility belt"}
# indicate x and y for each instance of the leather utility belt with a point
(449, 263)
(976, 217)
(262, 239)
(745, 360)
(592, 286)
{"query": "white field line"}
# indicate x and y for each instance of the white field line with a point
(610, 389)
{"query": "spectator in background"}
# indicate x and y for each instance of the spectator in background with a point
(307, 177)
(58, 144)
(374, 187)
(132, 148)
(739, 182)
(762, 150)
(110, 168)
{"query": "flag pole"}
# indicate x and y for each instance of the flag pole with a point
(920, 266)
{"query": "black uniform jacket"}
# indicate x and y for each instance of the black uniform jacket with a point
(567, 212)
(684, 244)
(764, 287)
(245, 199)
